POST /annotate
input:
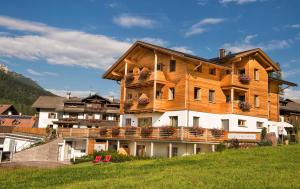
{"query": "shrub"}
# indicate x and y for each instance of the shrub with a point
(234, 143)
(103, 131)
(115, 131)
(244, 79)
(143, 101)
(82, 159)
(198, 131)
(217, 132)
(244, 106)
(146, 131)
(115, 156)
(220, 147)
(264, 143)
(263, 134)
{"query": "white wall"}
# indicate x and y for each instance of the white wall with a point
(44, 121)
(19, 143)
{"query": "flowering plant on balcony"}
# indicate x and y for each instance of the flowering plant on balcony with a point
(115, 131)
(244, 106)
(129, 78)
(197, 131)
(244, 79)
(146, 131)
(128, 104)
(143, 100)
(167, 131)
(130, 130)
(217, 132)
(103, 131)
(144, 73)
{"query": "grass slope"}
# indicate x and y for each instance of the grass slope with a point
(265, 167)
(20, 91)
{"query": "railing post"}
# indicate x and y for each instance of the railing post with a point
(206, 133)
(70, 133)
(181, 133)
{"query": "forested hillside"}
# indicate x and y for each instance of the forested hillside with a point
(20, 91)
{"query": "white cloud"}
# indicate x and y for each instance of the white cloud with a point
(289, 73)
(74, 93)
(37, 73)
(297, 26)
(133, 21)
(156, 41)
(246, 45)
(183, 49)
(202, 2)
(200, 27)
(59, 46)
(292, 94)
(239, 2)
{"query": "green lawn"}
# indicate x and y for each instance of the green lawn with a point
(264, 167)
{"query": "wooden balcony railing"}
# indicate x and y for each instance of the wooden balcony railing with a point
(137, 133)
(24, 130)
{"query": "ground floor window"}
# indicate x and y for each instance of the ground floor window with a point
(259, 124)
(174, 151)
(196, 121)
(128, 122)
(174, 121)
(145, 121)
(241, 123)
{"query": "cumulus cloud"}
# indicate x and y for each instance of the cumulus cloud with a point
(156, 41)
(37, 73)
(74, 93)
(59, 46)
(292, 94)
(246, 44)
(183, 49)
(126, 20)
(201, 26)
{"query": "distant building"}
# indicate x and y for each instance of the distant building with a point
(8, 109)
(72, 112)
(4, 68)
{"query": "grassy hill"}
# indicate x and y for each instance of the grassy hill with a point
(263, 167)
(20, 91)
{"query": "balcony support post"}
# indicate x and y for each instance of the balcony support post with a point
(155, 78)
(151, 149)
(213, 148)
(106, 145)
(195, 148)
(134, 148)
(232, 99)
(170, 150)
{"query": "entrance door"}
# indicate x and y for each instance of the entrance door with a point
(140, 150)
(225, 124)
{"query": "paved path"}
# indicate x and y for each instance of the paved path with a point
(36, 164)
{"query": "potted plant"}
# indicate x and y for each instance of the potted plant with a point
(244, 79)
(144, 73)
(115, 131)
(129, 78)
(217, 132)
(130, 130)
(198, 131)
(103, 131)
(146, 131)
(244, 106)
(143, 100)
(167, 131)
(128, 104)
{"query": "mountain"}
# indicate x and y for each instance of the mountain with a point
(20, 91)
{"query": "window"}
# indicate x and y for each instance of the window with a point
(197, 93)
(242, 72)
(242, 98)
(158, 95)
(128, 122)
(256, 101)
(145, 122)
(259, 124)
(196, 121)
(256, 75)
(212, 71)
(225, 124)
(241, 123)
(211, 96)
(160, 67)
(171, 93)
(174, 121)
(52, 115)
(227, 98)
(172, 65)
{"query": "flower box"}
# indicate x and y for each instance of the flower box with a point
(217, 132)
(130, 130)
(103, 131)
(244, 79)
(144, 101)
(129, 78)
(115, 131)
(128, 104)
(244, 106)
(146, 131)
(197, 131)
(144, 73)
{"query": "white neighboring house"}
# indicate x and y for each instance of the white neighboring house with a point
(46, 107)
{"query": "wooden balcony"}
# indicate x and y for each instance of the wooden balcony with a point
(233, 81)
(86, 122)
(136, 83)
(183, 134)
(24, 130)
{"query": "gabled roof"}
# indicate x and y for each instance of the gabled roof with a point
(16, 120)
(257, 51)
(162, 50)
(95, 96)
(5, 107)
(291, 106)
(49, 102)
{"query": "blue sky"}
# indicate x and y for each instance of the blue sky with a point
(67, 45)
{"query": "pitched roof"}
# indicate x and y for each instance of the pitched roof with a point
(5, 107)
(49, 102)
(163, 50)
(291, 106)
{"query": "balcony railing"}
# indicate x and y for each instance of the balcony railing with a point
(138, 133)
(24, 130)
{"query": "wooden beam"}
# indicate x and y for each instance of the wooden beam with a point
(117, 74)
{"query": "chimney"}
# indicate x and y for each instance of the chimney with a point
(222, 53)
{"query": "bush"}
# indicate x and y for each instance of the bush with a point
(82, 159)
(264, 143)
(217, 132)
(220, 147)
(115, 131)
(115, 156)
(234, 143)
(197, 131)
(103, 131)
(263, 134)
